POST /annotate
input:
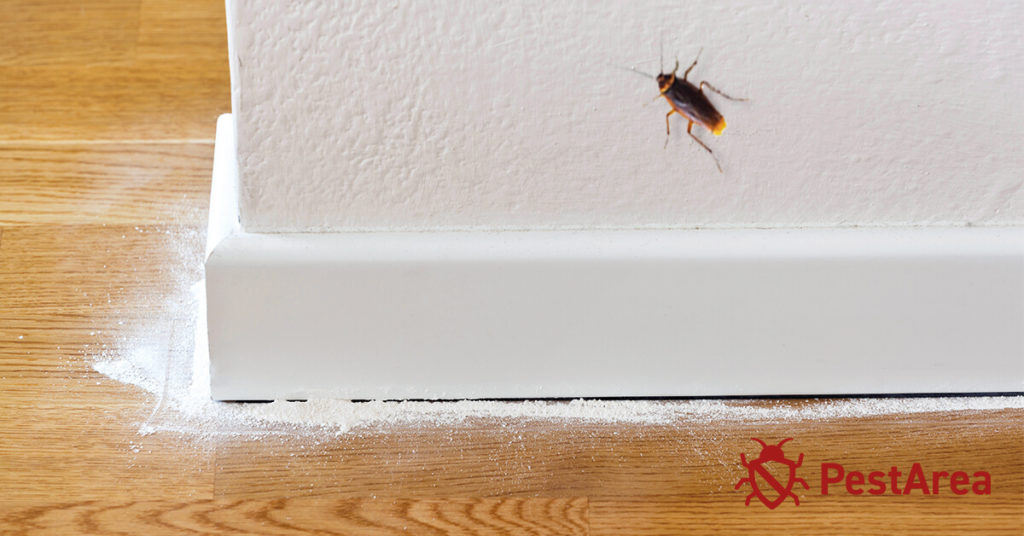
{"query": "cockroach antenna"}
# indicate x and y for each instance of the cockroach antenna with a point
(661, 54)
(634, 70)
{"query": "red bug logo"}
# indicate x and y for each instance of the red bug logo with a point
(756, 468)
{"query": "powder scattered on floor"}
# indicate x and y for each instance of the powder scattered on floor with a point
(174, 368)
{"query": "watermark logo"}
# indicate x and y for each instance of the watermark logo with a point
(772, 477)
(762, 480)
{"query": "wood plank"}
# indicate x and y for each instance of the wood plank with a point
(694, 458)
(173, 29)
(369, 517)
(647, 517)
(99, 32)
(111, 183)
(103, 70)
(75, 292)
(88, 448)
(97, 270)
(70, 294)
(168, 101)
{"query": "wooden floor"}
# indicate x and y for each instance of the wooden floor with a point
(107, 114)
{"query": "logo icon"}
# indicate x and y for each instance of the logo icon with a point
(762, 480)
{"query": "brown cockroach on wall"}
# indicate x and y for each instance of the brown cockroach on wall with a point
(690, 102)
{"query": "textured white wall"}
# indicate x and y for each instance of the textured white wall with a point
(378, 114)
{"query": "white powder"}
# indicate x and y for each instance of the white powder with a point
(174, 367)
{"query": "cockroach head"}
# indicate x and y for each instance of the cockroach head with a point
(665, 80)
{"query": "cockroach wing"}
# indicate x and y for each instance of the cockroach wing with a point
(687, 100)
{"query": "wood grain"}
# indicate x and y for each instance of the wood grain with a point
(294, 516)
(173, 30)
(647, 517)
(73, 294)
(689, 459)
(113, 183)
(90, 33)
(108, 111)
(64, 76)
(175, 100)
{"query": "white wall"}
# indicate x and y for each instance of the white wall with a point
(378, 114)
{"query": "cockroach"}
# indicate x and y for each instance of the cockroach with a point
(690, 102)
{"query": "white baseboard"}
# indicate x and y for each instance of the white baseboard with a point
(608, 313)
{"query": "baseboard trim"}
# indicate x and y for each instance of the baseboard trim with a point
(443, 315)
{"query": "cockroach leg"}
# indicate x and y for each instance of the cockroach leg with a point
(668, 131)
(713, 88)
(692, 65)
(689, 130)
